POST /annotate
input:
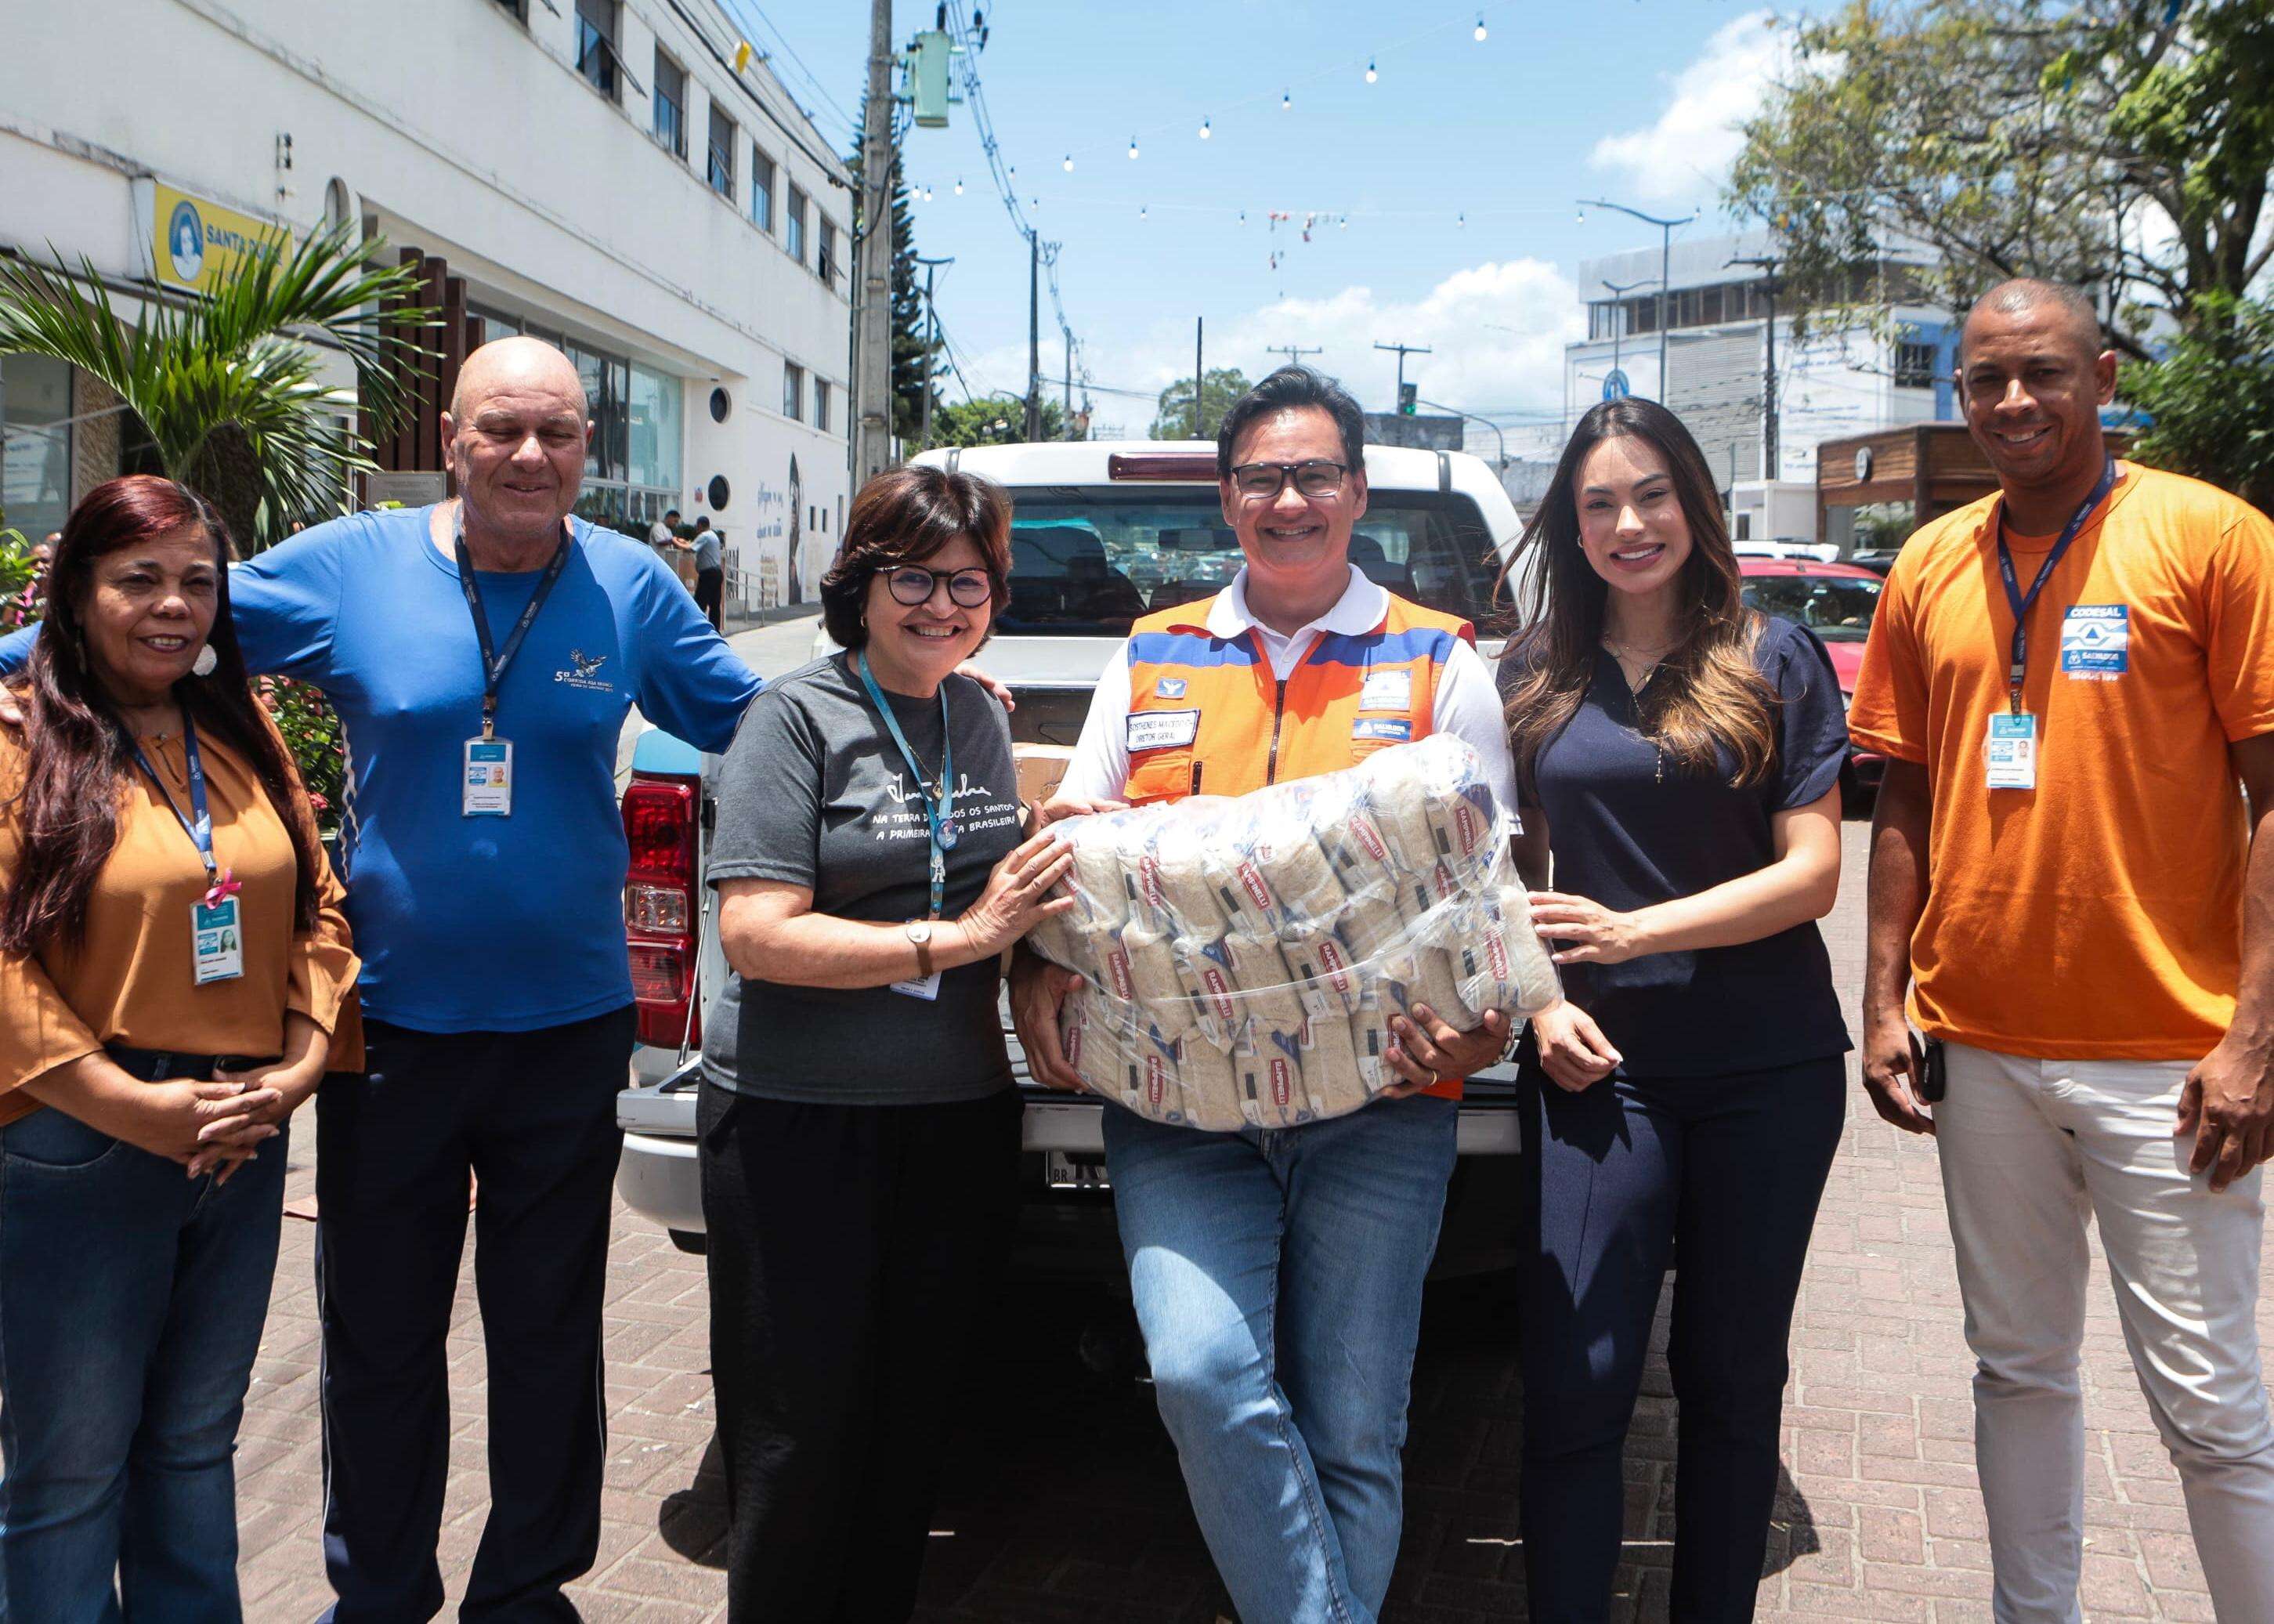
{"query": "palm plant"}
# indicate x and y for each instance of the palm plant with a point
(227, 385)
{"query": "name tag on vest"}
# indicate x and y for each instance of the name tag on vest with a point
(1162, 730)
(1387, 690)
(1398, 730)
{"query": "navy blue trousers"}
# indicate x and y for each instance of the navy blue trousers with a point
(1729, 1170)
(532, 1116)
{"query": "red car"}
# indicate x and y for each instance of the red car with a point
(1835, 602)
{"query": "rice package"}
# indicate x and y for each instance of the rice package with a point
(1241, 957)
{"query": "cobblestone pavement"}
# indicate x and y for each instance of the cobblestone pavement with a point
(1060, 1499)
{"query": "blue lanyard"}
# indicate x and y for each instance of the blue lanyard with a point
(2018, 663)
(494, 663)
(199, 822)
(940, 815)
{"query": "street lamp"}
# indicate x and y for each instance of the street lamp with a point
(1665, 264)
(1619, 291)
(1438, 406)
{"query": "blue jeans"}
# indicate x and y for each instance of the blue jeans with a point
(1729, 1170)
(1277, 1277)
(132, 1300)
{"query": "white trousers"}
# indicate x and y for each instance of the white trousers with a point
(2027, 1147)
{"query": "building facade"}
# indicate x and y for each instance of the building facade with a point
(598, 172)
(1839, 380)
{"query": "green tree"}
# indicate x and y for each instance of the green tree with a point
(993, 419)
(2211, 402)
(914, 369)
(1173, 418)
(2122, 145)
(228, 386)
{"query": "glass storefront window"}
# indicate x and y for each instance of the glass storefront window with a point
(35, 455)
(656, 399)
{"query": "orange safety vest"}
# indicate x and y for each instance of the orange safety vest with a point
(1208, 717)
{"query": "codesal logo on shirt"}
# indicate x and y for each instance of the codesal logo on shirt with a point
(2095, 641)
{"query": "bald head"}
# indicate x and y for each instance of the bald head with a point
(2044, 303)
(518, 365)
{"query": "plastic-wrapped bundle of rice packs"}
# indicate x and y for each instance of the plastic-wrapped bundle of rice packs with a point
(1241, 958)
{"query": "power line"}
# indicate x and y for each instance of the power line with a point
(743, 9)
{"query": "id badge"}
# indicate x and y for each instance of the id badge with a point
(216, 941)
(926, 988)
(2012, 754)
(487, 786)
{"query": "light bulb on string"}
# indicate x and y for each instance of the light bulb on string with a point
(1068, 165)
(1370, 74)
(1204, 129)
(1286, 101)
(1133, 146)
(1583, 216)
(1460, 220)
(958, 186)
(1143, 211)
(1481, 27)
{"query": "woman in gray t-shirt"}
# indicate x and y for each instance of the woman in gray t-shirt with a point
(859, 1131)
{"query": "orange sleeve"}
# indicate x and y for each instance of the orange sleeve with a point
(2239, 629)
(324, 963)
(38, 1030)
(1889, 710)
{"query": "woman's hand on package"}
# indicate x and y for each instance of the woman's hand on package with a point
(1425, 1050)
(1573, 1051)
(1018, 895)
(1581, 931)
(1039, 990)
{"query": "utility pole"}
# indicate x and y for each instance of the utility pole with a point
(1665, 267)
(1034, 430)
(1403, 352)
(1067, 405)
(931, 348)
(872, 373)
(1767, 264)
(1200, 376)
(1619, 291)
(1295, 352)
(1435, 405)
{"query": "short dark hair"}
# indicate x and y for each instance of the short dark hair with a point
(904, 516)
(704, 523)
(2018, 295)
(1291, 388)
(671, 513)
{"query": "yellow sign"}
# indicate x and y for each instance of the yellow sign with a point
(196, 242)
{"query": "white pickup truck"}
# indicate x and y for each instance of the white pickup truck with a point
(1102, 532)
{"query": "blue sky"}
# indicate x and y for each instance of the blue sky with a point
(1621, 99)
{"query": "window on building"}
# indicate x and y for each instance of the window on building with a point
(654, 460)
(1710, 311)
(670, 104)
(1913, 364)
(793, 390)
(821, 405)
(518, 10)
(825, 259)
(762, 190)
(721, 168)
(35, 450)
(595, 44)
(1642, 314)
(794, 236)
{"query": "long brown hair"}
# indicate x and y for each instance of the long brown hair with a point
(1718, 701)
(82, 753)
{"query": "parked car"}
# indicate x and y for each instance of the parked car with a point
(1835, 602)
(1102, 532)
(1878, 560)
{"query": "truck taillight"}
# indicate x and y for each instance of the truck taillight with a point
(659, 911)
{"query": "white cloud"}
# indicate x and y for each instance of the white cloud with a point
(1495, 332)
(1689, 148)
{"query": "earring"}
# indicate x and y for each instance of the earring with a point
(205, 662)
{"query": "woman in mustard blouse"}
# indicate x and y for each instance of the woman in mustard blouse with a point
(172, 959)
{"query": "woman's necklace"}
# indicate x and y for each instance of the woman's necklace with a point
(1649, 659)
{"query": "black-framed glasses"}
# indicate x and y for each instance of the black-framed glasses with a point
(1317, 477)
(911, 585)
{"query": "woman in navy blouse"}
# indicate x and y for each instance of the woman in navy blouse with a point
(1679, 757)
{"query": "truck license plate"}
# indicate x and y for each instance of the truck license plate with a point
(1075, 1170)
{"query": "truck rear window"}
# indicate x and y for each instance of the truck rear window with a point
(1084, 563)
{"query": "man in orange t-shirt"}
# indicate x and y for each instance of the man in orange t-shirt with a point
(2081, 908)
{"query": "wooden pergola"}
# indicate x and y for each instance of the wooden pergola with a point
(1933, 467)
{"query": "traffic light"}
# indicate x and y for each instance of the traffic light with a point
(1405, 396)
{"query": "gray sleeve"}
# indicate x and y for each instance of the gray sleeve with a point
(770, 796)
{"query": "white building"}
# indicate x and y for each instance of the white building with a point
(1831, 383)
(597, 171)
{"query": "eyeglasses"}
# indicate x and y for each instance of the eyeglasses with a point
(912, 584)
(1265, 481)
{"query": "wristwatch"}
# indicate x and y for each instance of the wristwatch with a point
(919, 931)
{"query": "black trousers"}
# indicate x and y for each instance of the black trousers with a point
(532, 1116)
(710, 589)
(849, 1248)
(1730, 1170)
